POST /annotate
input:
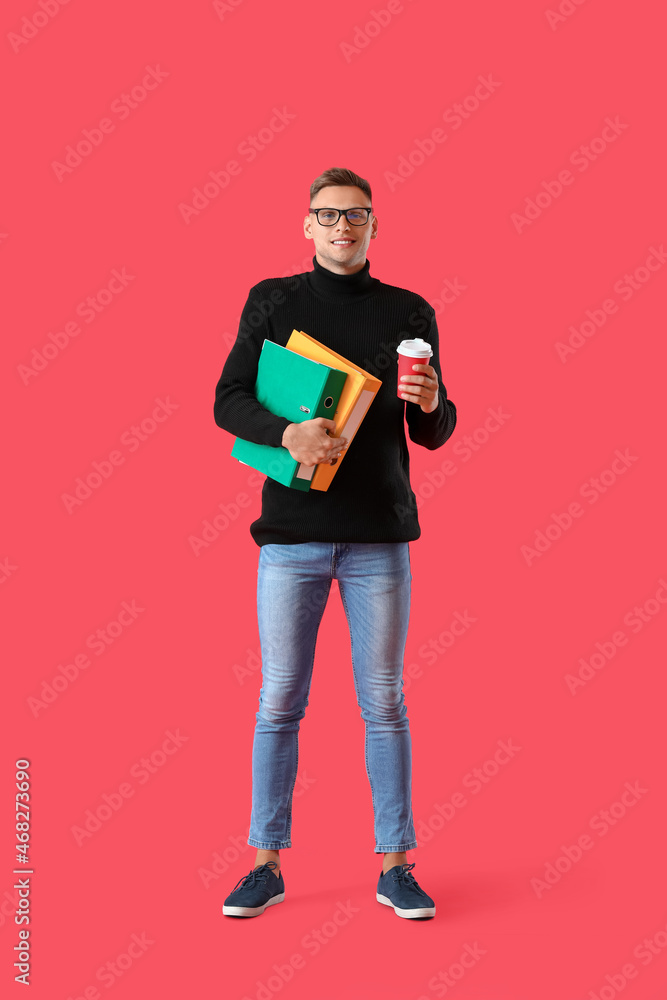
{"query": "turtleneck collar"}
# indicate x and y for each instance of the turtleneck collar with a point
(344, 287)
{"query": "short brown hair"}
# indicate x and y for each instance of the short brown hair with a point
(340, 177)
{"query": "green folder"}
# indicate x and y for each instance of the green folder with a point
(292, 386)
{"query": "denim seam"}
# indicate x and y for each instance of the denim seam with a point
(296, 734)
(288, 824)
(354, 671)
(395, 848)
(310, 677)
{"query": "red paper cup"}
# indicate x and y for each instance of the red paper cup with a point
(411, 352)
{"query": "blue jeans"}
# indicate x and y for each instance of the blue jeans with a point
(293, 584)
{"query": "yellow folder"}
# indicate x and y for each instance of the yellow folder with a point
(358, 393)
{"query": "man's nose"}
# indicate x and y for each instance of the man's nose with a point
(342, 223)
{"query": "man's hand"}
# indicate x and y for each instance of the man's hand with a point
(422, 389)
(309, 442)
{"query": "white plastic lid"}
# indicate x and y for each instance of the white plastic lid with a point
(416, 348)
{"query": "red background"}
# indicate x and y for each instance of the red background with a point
(166, 335)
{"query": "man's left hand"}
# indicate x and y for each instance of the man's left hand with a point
(422, 389)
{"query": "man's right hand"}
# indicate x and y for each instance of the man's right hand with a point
(309, 443)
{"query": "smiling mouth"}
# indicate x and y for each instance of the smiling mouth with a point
(342, 243)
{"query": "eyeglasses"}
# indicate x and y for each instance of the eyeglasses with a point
(330, 216)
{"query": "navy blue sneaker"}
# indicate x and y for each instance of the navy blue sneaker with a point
(255, 891)
(398, 888)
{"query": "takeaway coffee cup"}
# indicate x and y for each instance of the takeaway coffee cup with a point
(411, 352)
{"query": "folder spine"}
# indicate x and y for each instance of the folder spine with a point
(332, 388)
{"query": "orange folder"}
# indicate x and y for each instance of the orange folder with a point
(358, 393)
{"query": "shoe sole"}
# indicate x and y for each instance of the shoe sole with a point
(251, 911)
(422, 911)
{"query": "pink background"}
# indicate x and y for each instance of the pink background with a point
(185, 661)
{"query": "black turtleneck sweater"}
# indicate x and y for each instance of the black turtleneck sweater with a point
(370, 498)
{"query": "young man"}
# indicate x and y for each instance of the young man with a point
(358, 531)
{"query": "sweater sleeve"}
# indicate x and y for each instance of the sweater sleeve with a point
(236, 408)
(432, 429)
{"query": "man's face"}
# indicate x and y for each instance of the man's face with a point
(341, 248)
